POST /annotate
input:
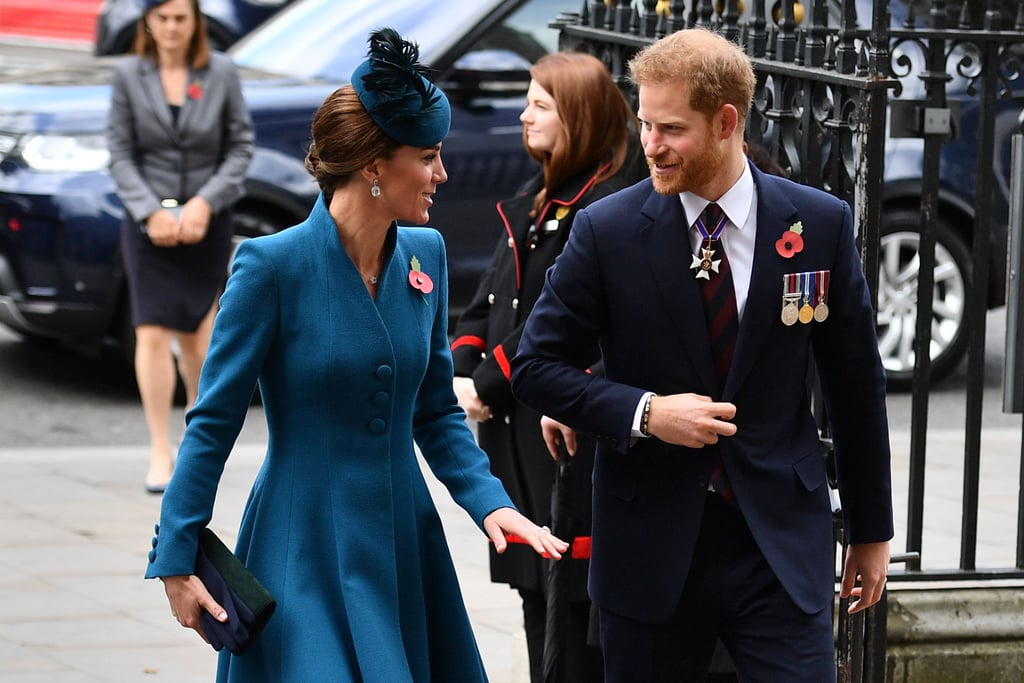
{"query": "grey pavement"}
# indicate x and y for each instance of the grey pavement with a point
(75, 526)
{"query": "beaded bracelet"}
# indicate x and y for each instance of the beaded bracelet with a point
(645, 417)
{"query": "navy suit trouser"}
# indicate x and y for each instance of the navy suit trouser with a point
(731, 593)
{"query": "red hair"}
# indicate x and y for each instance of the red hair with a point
(596, 119)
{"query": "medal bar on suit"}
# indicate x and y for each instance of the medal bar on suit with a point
(804, 297)
(705, 264)
(806, 293)
(821, 309)
(790, 297)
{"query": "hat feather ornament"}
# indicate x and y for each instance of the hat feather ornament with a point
(398, 97)
(396, 77)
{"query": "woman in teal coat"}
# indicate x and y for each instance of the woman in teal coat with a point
(342, 321)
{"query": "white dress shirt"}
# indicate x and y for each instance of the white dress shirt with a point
(739, 204)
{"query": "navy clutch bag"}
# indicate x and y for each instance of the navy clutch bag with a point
(249, 605)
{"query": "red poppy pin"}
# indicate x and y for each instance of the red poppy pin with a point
(419, 280)
(195, 89)
(791, 242)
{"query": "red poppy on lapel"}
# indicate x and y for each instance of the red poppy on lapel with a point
(791, 242)
(419, 280)
(195, 89)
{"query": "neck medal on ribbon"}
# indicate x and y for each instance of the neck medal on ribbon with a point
(705, 263)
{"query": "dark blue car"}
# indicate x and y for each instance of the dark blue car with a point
(60, 267)
(226, 22)
(60, 270)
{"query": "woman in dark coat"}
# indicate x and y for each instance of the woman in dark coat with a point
(578, 125)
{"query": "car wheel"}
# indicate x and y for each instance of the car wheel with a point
(899, 267)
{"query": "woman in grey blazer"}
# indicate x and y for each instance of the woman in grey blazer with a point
(180, 141)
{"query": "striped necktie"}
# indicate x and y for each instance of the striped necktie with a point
(719, 297)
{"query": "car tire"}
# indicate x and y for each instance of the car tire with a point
(899, 263)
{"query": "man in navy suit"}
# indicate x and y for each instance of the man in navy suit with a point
(710, 288)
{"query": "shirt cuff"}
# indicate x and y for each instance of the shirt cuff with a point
(638, 415)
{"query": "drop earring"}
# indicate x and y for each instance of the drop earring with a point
(375, 188)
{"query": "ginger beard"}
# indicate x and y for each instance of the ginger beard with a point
(689, 174)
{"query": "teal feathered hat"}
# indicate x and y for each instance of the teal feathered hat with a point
(390, 83)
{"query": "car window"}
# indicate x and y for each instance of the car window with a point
(326, 39)
(525, 31)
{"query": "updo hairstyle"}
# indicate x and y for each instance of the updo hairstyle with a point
(345, 140)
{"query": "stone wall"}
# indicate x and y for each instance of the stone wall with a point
(955, 634)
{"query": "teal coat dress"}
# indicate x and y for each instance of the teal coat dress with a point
(339, 525)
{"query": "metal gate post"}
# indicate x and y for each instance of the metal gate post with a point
(1013, 368)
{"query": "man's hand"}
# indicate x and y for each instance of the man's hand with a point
(465, 391)
(690, 420)
(555, 434)
(867, 563)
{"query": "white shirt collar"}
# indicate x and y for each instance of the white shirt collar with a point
(735, 203)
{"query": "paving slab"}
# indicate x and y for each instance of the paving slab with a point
(75, 526)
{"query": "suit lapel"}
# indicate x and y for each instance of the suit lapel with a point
(667, 246)
(149, 75)
(775, 213)
(189, 105)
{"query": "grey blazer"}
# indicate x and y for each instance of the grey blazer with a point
(206, 153)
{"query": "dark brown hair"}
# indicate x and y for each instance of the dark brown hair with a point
(198, 48)
(345, 139)
(596, 119)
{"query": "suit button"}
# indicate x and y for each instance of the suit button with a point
(515, 304)
(508, 419)
(152, 556)
(384, 372)
(490, 299)
(377, 425)
(156, 528)
(380, 399)
(154, 541)
(511, 243)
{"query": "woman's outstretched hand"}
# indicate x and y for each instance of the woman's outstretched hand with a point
(504, 521)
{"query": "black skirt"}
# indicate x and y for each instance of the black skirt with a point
(175, 287)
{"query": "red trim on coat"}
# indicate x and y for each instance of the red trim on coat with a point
(508, 228)
(579, 547)
(512, 243)
(469, 340)
(502, 360)
(579, 195)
